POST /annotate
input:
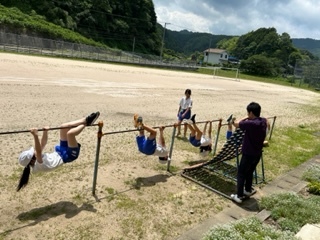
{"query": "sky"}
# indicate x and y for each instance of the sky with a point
(298, 18)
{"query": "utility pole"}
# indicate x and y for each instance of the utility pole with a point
(133, 44)
(162, 44)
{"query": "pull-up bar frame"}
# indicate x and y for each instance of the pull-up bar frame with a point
(42, 129)
(101, 134)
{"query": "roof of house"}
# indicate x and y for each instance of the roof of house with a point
(215, 50)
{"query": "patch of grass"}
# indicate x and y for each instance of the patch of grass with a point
(82, 232)
(312, 173)
(163, 167)
(292, 211)
(250, 228)
(125, 202)
(289, 147)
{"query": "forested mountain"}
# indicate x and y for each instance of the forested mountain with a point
(309, 44)
(115, 23)
(188, 42)
(124, 24)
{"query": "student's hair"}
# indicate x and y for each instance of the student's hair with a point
(205, 148)
(163, 158)
(188, 91)
(255, 108)
(24, 179)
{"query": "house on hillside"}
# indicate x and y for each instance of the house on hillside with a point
(215, 56)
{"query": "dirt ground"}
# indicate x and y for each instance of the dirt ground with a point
(136, 198)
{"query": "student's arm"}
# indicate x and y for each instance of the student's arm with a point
(236, 122)
(44, 138)
(37, 145)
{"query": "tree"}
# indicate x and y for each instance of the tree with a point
(259, 65)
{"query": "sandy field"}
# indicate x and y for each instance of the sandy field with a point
(136, 198)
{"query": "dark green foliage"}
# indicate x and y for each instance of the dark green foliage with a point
(311, 45)
(314, 188)
(112, 22)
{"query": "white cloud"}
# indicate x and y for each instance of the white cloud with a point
(296, 17)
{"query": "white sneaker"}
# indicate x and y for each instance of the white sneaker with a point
(236, 198)
(248, 194)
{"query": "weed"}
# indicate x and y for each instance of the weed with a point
(292, 211)
(250, 228)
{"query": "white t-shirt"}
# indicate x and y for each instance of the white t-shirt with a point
(205, 141)
(185, 103)
(50, 161)
(160, 151)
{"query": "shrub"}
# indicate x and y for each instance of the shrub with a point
(250, 228)
(312, 173)
(314, 188)
(292, 211)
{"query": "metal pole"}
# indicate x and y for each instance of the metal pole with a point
(171, 148)
(96, 164)
(133, 44)
(217, 138)
(41, 129)
(166, 126)
(162, 44)
(271, 131)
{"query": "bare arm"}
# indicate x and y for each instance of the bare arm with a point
(236, 122)
(37, 145)
(44, 138)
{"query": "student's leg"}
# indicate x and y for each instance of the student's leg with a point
(185, 130)
(71, 135)
(198, 132)
(152, 132)
(67, 126)
(249, 176)
(229, 131)
(161, 137)
(179, 127)
(192, 130)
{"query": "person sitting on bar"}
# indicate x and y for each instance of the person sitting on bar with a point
(148, 145)
(199, 138)
(67, 151)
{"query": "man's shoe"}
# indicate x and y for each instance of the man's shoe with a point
(235, 198)
(230, 119)
(248, 194)
(92, 118)
(138, 121)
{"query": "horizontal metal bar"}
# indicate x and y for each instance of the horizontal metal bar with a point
(166, 126)
(42, 129)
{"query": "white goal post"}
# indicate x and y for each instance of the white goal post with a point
(222, 72)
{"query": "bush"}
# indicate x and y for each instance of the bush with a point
(312, 173)
(292, 211)
(250, 228)
(314, 188)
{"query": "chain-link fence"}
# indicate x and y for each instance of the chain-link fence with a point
(35, 45)
(308, 71)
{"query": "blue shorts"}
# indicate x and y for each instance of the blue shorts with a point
(194, 141)
(229, 134)
(146, 145)
(187, 116)
(67, 154)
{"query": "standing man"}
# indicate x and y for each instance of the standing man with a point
(184, 111)
(254, 127)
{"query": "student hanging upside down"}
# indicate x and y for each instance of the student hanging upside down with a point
(67, 151)
(199, 138)
(148, 144)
